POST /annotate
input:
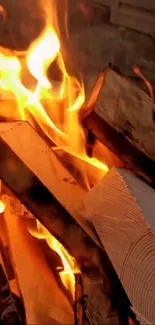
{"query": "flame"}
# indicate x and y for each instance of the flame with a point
(2, 206)
(69, 268)
(53, 107)
(61, 121)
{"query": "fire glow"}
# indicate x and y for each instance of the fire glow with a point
(60, 123)
(54, 111)
(68, 270)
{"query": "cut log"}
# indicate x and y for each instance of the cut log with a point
(44, 302)
(31, 284)
(121, 208)
(69, 231)
(123, 121)
(40, 159)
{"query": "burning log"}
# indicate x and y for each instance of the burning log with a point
(27, 177)
(44, 301)
(60, 182)
(121, 208)
(123, 121)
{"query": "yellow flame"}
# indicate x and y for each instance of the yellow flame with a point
(69, 268)
(54, 108)
(2, 206)
(62, 125)
(40, 55)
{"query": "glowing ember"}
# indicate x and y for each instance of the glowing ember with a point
(69, 269)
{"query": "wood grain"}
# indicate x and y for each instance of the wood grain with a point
(121, 208)
(123, 121)
(39, 157)
(127, 108)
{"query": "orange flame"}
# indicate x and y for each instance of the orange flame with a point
(2, 206)
(69, 268)
(54, 108)
(62, 126)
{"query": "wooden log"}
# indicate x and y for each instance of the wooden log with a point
(44, 301)
(121, 208)
(36, 154)
(30, 284)
(71, 232)
(123, 121)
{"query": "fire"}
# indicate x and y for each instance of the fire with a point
(53, 106)
(2, 206)
(69, 268)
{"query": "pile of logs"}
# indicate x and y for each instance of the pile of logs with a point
(109, 231)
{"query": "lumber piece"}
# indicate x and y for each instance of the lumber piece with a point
(123, 121)
(44, 301)
(101, 310)
(121, 208)
(90, 256)
(39, 157)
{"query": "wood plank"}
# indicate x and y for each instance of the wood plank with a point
(44, 301)
(101, 311)
(40, 158)
(123, 121)
(121, 208)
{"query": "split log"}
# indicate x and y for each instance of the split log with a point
(123, 121)
(27, 176)
(44, 301)
(40, 159)
(121, 208)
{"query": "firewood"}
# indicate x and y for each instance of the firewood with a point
(44, 302)
(123, 121)
(121, 208)
(40, 159)
(30, 283)
(19, 174)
